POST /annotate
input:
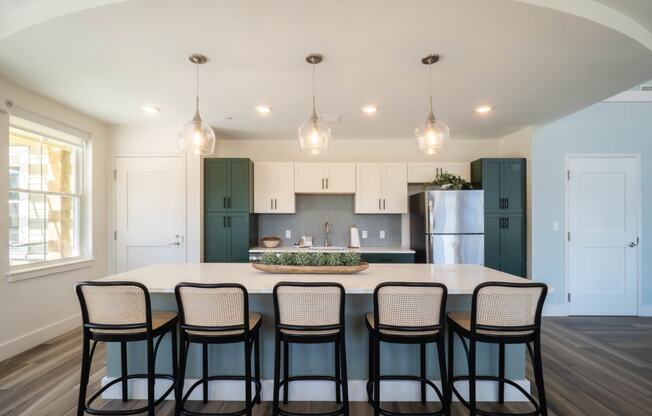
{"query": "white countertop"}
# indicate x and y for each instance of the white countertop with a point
(460, 279)
(383, 250)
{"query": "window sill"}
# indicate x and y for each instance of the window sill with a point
(30, 272)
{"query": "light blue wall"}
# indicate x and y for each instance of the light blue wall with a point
(601, 128)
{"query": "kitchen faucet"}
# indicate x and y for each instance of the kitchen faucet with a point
(327, 233)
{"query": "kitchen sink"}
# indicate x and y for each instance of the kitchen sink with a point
(329, 248)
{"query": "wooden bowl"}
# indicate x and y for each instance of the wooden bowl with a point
(270, 242)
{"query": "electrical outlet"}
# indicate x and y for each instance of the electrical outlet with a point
(381, 234)
(288, 234)
(364, 233)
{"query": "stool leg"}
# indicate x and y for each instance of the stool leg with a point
(338, 380)
(537, 365)
(345, 377)
(501, 373)
(185, 347)
(370, 369)
(123, 368)
(451, 363)
(85, 372)
(422, 348)
(257, 360)
(204, 368)
(441, 355)
(472, 401)
(277, 374)
(247, 354)
(376, 375)
(286, 371)
(175, 360)
(150, 376)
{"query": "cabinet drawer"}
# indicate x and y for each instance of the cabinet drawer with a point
(388, 257)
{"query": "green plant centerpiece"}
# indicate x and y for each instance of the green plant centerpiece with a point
(448, 181)
(310, 262)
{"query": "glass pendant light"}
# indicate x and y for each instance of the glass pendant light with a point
(432, 134)
(196, 135)
(314, 133)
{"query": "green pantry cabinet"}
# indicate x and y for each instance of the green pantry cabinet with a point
(230, 228)
(503, 182)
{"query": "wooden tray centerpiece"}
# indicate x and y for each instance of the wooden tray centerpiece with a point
(311, 263)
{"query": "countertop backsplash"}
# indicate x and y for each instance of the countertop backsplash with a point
(313, 211)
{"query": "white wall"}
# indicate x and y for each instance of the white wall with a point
(35, 310)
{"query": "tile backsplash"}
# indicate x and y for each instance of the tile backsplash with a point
(313, 211)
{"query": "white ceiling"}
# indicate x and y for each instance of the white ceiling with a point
(534, 64)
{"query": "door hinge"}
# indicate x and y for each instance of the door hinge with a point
(568, 175)
(569, 237)
(115, 235)
(569, 298)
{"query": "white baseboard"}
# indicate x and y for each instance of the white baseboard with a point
(555, 309)
(39, 336)
(646, 310)
(396, 391)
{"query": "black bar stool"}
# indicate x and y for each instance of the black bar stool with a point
(501, 313)
(217, 314)
(407, 313)
(121, 312)
(309, 313)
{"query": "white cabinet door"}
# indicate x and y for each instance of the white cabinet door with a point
(309, 178)
(456, 168)
(395, 188)
(369, 188)
(340, 178)
(264, 188)
(426, 172)
(284, 202)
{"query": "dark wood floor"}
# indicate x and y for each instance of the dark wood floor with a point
(594, 366)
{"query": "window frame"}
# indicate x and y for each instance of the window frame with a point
(82, 181)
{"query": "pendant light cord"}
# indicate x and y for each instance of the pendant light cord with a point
(430, 85)
(197, 87)
(314, 106)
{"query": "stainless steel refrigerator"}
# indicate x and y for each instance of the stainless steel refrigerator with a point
(447, 227)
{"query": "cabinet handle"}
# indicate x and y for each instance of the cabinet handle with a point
(326, 183)
(507, 206)
(224, 225)
(275, 204)
(506, 222)
(379, 204)
(322, 183)
(229, 200)
(384, 203)
(229, 221)
(271, 203)
(224, 203)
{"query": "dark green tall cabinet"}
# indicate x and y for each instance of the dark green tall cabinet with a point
(503, 182)
(230, 228)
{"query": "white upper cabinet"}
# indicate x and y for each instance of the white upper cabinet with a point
(381, 188)
(426, 172)
(324, 178)
(274, 188)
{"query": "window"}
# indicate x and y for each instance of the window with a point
(45, 195)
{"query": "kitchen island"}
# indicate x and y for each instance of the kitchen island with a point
(318, 359)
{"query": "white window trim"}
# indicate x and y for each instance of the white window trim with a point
(85, 259)
(47, 268)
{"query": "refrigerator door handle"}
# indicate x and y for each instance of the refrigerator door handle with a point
(428, 248)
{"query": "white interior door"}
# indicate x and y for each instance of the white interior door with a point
(150, 211)
(603, 209)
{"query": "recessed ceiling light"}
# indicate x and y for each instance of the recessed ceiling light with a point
(370, 109)
(263, 109)
(483, 109)
(150, 109)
